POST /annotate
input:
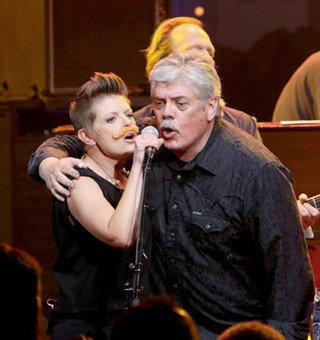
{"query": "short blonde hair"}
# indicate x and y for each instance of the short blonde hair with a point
(81, 112)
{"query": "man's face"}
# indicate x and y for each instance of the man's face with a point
(188, 36)
(183, 120)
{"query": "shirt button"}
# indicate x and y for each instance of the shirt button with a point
(179, 178)
(173, 261)
(172, 234)
(229, 256)
(175, 286)
(174, 206)
(208, 227)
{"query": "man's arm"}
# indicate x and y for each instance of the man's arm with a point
(309, 214)
(53, 164)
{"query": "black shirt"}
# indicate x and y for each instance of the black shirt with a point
(226, 236)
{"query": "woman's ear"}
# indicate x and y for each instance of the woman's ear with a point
(86, 138)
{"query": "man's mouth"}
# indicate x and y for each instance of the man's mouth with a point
(167, 132)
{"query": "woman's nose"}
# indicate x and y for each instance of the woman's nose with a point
(127, 120)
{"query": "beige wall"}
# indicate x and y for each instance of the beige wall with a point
(22, 46)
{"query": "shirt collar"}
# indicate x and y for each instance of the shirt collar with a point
(207, 159)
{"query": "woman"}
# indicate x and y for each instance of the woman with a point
(100, 217)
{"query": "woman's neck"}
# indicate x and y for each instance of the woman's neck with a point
(112, 173)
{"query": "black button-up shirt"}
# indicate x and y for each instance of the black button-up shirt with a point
(227, 240)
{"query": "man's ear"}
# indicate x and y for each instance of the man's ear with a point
(86, 138)
(213, 108)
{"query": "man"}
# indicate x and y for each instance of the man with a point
(174, 34)
(221, 244)
(300, 98)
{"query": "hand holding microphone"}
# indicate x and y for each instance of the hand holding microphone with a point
(150, 150)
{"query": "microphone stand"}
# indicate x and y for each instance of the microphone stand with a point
(137, 288)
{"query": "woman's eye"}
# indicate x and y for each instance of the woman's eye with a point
(111, 119)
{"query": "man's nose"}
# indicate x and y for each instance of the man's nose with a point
(168, 110)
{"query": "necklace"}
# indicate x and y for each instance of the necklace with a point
(113, 181)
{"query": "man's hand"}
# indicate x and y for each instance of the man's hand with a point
(58, 174)
(309, 214)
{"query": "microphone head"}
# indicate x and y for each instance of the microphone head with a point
(151, 129)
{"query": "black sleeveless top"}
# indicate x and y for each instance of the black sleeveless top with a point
(91, 274)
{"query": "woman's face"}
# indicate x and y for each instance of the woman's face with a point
(114, 127)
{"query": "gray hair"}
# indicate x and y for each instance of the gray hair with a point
(195, 68)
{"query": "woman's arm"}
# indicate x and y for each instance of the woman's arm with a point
(116, 227)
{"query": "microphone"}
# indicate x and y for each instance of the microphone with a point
(150, 150)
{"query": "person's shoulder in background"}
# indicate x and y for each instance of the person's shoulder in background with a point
(243, 120)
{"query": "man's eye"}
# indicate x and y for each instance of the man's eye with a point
(181, 105)
(158, 104)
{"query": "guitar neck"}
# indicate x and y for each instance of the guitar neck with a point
(314, 201)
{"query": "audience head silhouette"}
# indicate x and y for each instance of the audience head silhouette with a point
(157, 317)
(20, 294)
(251, 330)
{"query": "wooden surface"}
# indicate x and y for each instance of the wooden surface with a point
(297, 146)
